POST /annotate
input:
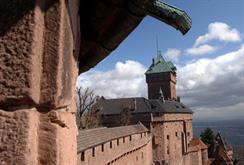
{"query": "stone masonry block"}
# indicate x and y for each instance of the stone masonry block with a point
(18, 138)
(28, 137)
(37, 63)
(17, 28)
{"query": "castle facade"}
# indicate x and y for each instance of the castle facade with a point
(169, 121)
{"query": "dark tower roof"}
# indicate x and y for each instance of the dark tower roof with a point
(141, 105)
(222, 141)
(159, 65)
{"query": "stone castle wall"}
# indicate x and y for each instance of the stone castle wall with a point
(172, 135)
(165, 80)
(133, 149)
(38, 71)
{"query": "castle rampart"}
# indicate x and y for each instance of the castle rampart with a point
(119, 145)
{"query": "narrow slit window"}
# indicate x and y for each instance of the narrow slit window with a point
(82, 157)
(93, 152)
(102, 147)
(111, 144)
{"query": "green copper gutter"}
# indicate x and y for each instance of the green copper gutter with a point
(170, 15)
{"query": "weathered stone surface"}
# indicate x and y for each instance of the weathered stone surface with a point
(57, 138)
(59, 62)
(18, 137)
(16, 57)
(29, 137)
(37, 63)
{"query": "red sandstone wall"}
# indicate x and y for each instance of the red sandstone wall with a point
(166, 81)
(168, 144)
(137, 151)
(38, 69)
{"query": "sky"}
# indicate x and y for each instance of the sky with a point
(209, 60)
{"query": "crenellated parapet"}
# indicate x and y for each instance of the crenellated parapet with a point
(130, 145)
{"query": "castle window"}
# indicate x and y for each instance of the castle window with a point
(130, 137)
(123, 139)
(167, 149)
(102, 147)
(176, 134)
(141, 135)
(93, 152)
(117, 142)
(82, 157)
(157, 114)
(111, 144)
(168, 137)
(188, 133)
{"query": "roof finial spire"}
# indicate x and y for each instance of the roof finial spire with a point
(158, 52)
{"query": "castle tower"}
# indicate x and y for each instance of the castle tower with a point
(161, 76)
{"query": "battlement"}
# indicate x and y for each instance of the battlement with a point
(118, 145)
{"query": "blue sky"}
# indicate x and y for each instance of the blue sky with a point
(208, 58)
(140, 45)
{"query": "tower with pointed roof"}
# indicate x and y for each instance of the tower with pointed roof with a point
(161, 77)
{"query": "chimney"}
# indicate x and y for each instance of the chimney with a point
(178, 99)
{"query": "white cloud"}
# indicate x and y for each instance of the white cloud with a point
(172, 54)
(209, 86)
(200, 50)
(214, 82)
(219, 31)
(125, 80)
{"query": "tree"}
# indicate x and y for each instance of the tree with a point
(87, 113)
(207, 136)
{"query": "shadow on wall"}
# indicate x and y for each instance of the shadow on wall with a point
(10, 14)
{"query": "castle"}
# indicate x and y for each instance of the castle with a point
(167, 121)
(44, 45)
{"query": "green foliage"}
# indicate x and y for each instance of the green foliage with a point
(207, 136)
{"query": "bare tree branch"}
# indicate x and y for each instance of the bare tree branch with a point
(87, 110)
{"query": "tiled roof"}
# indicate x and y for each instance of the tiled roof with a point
(160, 65)
(93, 137)
(196, 144)
(141, 105)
